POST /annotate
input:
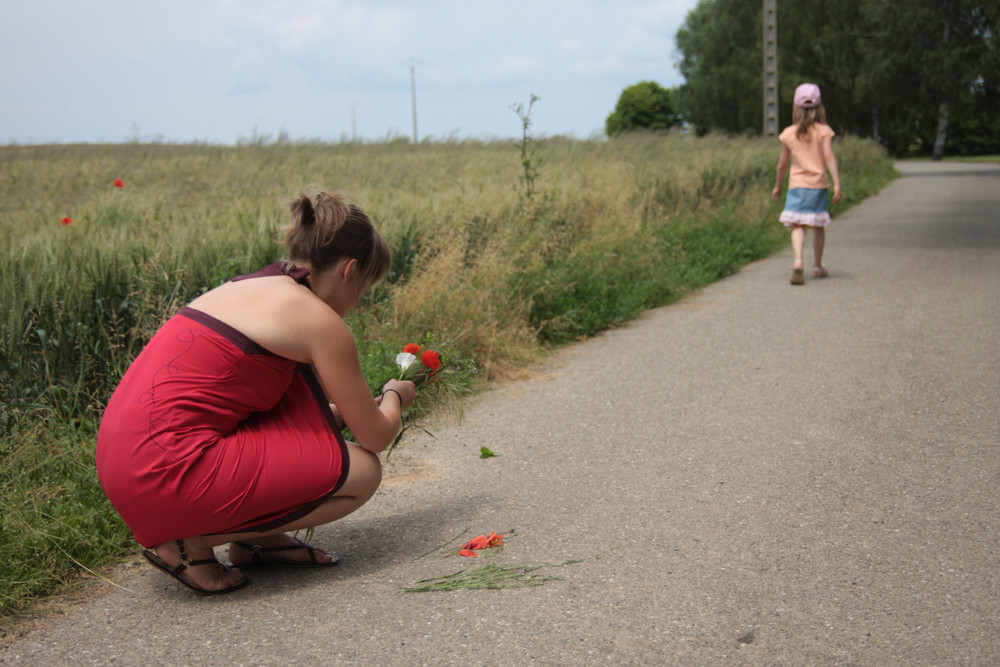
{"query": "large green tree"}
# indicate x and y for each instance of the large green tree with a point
(720, 48)
(644, 106)
(820, 42)
(927, 59)
(910, 74)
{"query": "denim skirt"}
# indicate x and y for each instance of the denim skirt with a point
(806, 206)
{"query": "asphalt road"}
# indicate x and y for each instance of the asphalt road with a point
(760, 474)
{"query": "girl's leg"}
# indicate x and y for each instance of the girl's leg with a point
(798, 243)
(363, 479)
(819, 241)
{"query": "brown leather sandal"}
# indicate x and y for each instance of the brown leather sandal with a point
(177, 572)
(257, 551)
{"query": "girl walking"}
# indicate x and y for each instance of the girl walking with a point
(809, 143)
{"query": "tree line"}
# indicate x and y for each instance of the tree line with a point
(921, 77)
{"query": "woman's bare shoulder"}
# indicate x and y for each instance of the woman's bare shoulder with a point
(275, 312)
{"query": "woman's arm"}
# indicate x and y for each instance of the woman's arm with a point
(831, 164)
(334, 356)
(782, 168)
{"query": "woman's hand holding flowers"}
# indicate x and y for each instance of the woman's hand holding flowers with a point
(438, 375)
(405, 389)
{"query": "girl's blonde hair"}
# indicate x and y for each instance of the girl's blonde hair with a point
(806, 118)
(328, 228)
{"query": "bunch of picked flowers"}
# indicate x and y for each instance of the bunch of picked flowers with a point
(419, 374)
(441, 375)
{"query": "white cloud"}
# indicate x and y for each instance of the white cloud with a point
(330, 29)
(662, 13)
(517, 65)
(599, 67)
(637, 39)
(298, 33)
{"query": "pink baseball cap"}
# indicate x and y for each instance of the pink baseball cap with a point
(807, 96)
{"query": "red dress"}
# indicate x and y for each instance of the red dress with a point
(209, 433)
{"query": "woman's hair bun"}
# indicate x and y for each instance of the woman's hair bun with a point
(327, 228)
(302, 211)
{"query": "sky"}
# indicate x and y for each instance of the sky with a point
(224, 71)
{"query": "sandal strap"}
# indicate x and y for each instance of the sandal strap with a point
(187, 562)
(256, 549)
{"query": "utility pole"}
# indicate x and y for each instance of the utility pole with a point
(413, 95)
(354, 123)
(770, 68)
(413, 62)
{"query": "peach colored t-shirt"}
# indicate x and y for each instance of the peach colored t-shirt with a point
(808, 166)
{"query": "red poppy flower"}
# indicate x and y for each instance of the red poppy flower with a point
(431, 359)
(66, 221)
(484, 541)
(477, 543)
(119, 183)
(469, 553)
(412, 348)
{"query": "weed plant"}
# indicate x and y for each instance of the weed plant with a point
(609, 229)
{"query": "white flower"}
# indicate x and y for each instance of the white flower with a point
(405, 359)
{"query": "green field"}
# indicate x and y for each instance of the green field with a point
(502, 248)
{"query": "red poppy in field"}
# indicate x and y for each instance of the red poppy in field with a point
(412, 348)
(119, 183)
(66, 221)
(431, 359)
(484, 542)
(468, 552)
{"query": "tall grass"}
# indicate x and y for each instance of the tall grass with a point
(608, 229)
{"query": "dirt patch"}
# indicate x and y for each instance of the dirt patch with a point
(406, 470)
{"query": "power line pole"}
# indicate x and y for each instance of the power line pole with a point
(413, 95)
(770, 68)
(413, 62)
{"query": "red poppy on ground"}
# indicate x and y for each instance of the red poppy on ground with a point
(412, 348)
(66, 221)
(468, 552)
(431, 359)
(485, 541)
(119, 183)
